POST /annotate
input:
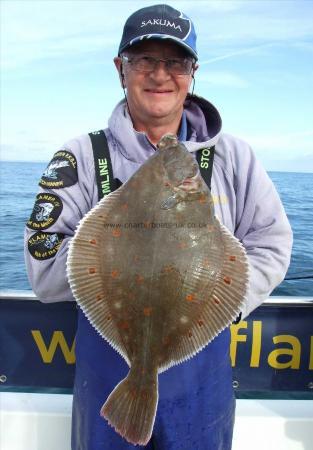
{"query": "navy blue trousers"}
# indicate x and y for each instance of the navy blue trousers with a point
(196, 401)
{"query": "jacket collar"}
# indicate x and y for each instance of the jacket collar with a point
(203, 129)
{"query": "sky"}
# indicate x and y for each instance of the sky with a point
(256, 66)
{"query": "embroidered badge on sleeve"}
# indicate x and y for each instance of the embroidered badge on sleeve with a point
(46, 211)
(61, 172)
(43, 245)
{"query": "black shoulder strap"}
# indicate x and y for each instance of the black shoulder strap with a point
(205, 157)
(104, 173)
(103, 167)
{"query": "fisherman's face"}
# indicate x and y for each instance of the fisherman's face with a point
(157, 96)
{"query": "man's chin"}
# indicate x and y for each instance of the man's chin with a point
(159, 111)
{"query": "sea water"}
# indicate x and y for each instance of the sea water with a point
(19, 185)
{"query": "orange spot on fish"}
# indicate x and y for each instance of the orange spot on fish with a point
(92, 270)
(125, 206)
(93, 242)
(200, 323)
(99, 297)
(166, 183)
(147, 311)
(202, 199)
(139, 279)
(115, 273)
(190, 297)
(189, 334)
(227, 280)
(124, 325)
(216, 300)
(232, 258)
(206, 261)
(116, 233)
(109, 317)
(166, 340)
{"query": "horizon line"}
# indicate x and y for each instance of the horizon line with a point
(45, 162)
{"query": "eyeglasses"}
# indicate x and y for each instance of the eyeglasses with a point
(146, 64)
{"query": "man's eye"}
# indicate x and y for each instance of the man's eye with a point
(175, 62)
(147, 59)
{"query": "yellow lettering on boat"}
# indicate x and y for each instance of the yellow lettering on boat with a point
(235, 337)
(256, 343)
(311, 355)
(294, 352)
(47, 352)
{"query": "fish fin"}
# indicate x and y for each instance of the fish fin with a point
(131, 408)
(220, 300)
(85, 273)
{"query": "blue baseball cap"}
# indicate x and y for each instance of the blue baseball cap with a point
(159, 22)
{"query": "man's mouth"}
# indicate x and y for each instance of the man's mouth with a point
(158, 91)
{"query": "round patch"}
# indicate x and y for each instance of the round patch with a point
(43, 245)
(46, 211)
(61, 171)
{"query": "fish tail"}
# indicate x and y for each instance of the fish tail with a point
(131, 407)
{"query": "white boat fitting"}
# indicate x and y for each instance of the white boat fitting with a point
(43, 422)
(272, 355)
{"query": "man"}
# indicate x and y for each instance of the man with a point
(156, 62)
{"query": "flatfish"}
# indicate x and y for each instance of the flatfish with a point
(158, 276)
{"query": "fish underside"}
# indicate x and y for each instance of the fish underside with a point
(158, 276)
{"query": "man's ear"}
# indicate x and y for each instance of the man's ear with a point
(195, 68)
(119, 68)
(122, 78)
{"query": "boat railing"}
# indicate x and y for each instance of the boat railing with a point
(271, 350)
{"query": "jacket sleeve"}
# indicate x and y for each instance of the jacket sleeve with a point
(67, 192)
(262, 227)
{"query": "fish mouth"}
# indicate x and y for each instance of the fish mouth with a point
(187, 181)
(190, 184)
(190, 179)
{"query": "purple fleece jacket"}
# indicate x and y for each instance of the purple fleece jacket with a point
(245, 199)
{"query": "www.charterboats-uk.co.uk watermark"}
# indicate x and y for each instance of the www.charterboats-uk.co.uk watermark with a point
(155, 225)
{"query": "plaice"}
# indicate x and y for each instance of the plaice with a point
(158, 276)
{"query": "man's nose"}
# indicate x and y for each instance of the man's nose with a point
(160, 71)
